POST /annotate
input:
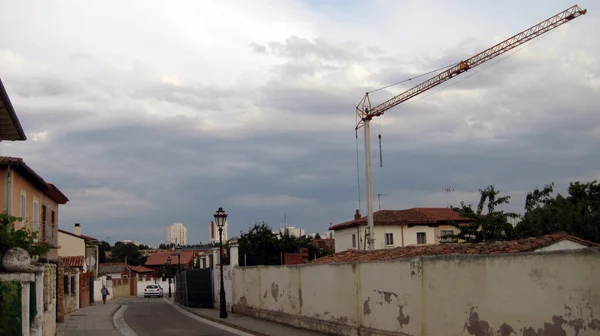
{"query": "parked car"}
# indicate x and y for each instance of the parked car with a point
(153, 290)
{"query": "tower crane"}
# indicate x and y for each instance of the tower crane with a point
(366, 113)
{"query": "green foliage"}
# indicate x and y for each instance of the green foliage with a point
(490, 226)
(10, 308)
(578, 213)
(102, 249)
(128, 251)
(260, 246)
(143, 247)
(167, 271)
(23, 238)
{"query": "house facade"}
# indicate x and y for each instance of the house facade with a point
(398, 228)
(80, 250)
(25, 194)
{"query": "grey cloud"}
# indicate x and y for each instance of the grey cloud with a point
(258, 48)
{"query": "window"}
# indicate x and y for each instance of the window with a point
(353, 240)
(389, 239)
(23, 206)
(421, 238)
(66, 284)
(36, 218)
(73, 291)
(52, 217)
(445, 236)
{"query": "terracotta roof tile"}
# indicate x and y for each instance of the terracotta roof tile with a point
(413, 216)
(76, 261)
(140, 269)
(515, 246)
(160, 258)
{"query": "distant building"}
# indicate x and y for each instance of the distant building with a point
(292, 231)
(176, 234)
(127, 241)
(213, 232)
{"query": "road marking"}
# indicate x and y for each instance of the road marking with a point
(122, 326)
(209, 322)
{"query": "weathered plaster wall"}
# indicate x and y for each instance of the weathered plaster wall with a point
(534, 294)
(227, 284)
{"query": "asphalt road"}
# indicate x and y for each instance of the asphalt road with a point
(153, 316)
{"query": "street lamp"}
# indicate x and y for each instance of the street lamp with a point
(220, 219)
(178, 254)
(169, 274)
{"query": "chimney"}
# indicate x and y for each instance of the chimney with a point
(77, 229)
(357, 214)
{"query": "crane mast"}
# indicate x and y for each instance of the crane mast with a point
(366, 113)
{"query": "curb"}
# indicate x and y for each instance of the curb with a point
(119, 322)
(217, 321)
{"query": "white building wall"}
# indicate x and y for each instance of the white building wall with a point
(410, 234)
(561, 246)
(176, 234)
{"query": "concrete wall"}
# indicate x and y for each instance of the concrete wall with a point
(98, 283)
(49, 300)
(141, 285)
(227, 284)
(548, 293)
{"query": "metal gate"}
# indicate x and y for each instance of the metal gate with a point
(84, 289)
(194, 288)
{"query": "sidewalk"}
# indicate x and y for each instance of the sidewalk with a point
(92, 320)
(248, 324)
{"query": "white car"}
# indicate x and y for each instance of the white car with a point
(153, 290)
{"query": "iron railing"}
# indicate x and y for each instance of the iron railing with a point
(45, 231)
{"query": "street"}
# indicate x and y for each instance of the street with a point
(154, 316)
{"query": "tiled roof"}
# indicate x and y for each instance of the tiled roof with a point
(84, 237)
(48, 188)
(139, 269)
(76, 261)
(10, 127)
(513, 246)
(414, 216)
(160, 258)
(111, 268)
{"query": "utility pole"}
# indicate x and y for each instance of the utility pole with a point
(370, 223)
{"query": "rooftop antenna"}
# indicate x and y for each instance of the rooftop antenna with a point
(447, 191)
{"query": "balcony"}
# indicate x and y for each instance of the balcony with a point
(46, 232)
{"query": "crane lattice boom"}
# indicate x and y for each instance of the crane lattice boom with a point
(365, 111)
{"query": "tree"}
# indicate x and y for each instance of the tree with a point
(102, 249)
(128, 251)
(23, 238)
(259, 246)
(578, 213)
(143, 247)
(491, 226)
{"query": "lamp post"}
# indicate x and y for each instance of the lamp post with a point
(220, 219)
(169, 274)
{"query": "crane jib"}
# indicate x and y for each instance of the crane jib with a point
(367, 112)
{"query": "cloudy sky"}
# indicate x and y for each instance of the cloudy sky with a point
(147, 113)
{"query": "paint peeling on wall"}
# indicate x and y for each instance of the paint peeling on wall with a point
(274, 291)
(367, 307)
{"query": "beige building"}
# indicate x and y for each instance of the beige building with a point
(78, 250)
(176, 234)
(397, 228)
(25, 194)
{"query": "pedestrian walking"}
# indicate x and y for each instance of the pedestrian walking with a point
(105, 293)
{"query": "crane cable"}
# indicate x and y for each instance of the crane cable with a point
(409, 79)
